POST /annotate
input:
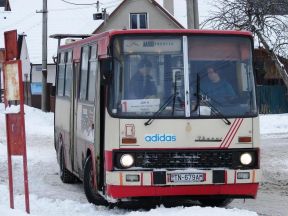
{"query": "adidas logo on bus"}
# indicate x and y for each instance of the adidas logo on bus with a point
(160, 138)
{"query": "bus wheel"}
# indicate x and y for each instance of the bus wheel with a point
(65, 175)
(89, 188)
(220, 202)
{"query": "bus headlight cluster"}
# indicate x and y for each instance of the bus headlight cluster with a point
(126, 160)
(246, 158)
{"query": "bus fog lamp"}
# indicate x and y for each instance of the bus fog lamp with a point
(132, 178)
(243, 175)
(246, 158)
(126, 160)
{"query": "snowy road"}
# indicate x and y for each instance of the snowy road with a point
(272, 199)
(49, 196)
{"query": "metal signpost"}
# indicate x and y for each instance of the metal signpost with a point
(14, 109)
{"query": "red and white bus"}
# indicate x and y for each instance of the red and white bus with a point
(182, 140)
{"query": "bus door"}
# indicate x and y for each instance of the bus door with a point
(84, 105)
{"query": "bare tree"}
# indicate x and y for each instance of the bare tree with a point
(266, 19)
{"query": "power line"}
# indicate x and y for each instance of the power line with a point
(68, 9)
(79, 3)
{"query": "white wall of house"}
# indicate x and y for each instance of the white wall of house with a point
(157, 19)
(36, 73)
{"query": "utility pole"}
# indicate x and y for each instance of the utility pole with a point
(192, 14)
(44, 57)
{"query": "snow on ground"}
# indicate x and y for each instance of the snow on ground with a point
(273, 125)
(49, 196)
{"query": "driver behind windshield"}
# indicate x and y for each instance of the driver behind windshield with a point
(216, 88)
(142, 84)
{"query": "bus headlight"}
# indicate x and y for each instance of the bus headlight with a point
(246, 158)
(126, 160)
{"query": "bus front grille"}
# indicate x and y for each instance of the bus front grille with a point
(186, 159)
(183, 159)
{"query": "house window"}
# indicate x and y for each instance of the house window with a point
(138, 21)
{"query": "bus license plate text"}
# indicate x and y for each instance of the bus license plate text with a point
(187, 177)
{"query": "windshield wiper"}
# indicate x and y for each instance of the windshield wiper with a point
(171, 98)
(216, 111)
(158, 112)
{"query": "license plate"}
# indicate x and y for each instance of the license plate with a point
(187, 177)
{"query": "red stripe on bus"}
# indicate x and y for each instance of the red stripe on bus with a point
(238, 190)
(108, 160)
(232, 126)
(232, 137)
(231, 133)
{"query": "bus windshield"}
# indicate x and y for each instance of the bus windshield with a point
(182, 77)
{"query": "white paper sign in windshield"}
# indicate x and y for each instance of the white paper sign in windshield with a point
(152, 45)
(142, 105)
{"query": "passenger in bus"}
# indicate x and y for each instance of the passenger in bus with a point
(142, 84)
(217, 89)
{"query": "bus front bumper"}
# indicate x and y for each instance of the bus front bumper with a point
(133, 184)
(232, 190)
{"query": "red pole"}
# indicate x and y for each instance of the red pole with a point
(22, 119)
(10, 173)
(26, 184)
(15, 122)
(10, 181)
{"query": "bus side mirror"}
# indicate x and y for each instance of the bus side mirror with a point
(106, 69)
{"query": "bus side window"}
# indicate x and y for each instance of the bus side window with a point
(68, 74)
(92, 73)
(84, 73)
(61, 75)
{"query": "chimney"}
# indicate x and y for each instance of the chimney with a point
(169, 6)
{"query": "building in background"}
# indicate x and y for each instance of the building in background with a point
(140, 14)
(271, 91)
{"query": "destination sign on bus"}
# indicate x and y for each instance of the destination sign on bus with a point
(141, 105)
(152, 45)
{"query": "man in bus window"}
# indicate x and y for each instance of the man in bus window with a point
(142, 84)
(217, 89)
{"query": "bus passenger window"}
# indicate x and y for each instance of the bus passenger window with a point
(68, 77)
(61, 75)
(92, 73)
(84, 72)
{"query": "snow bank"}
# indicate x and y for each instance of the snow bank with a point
(274, 124)
(36, 121)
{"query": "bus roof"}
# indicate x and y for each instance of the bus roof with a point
(179, 31)
(112, 33)
(105, 37)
